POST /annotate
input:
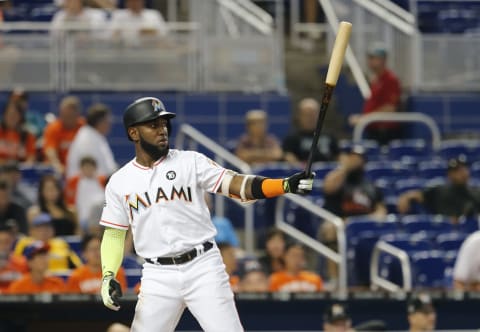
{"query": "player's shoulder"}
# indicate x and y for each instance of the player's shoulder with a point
(175, 154)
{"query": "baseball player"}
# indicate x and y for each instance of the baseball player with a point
(160, 195)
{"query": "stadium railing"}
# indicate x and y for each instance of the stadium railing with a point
(399, 117)
(377, 281)
(340, 257)
(187, 59)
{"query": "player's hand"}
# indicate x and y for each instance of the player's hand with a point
(299, 183)
(111, 291)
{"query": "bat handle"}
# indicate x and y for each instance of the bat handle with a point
(327, 95)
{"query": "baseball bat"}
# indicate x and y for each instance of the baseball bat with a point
(334, 66)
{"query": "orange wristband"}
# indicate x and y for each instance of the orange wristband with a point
(272, 187)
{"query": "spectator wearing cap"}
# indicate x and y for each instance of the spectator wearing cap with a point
(9, 210)
(296, 146)
(348, 192)
(20, 192)
(225, 230)
(384, 97)
(294, 278)
(421, 313)
(88, 277)
(91, 141)
(253, 278)
(59, 134)
(453, 199)
(256, 145)
(11, 267)
(466, 273)
(62, 258)
(336, 319)
(37, 280)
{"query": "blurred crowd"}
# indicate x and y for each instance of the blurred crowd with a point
(72, 160)
(121, 21)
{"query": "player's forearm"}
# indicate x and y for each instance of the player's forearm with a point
(111, 249)
(253, 189)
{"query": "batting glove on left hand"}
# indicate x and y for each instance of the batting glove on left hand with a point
(111, 291)
(299, 183)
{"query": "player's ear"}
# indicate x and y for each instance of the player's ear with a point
(133, 133)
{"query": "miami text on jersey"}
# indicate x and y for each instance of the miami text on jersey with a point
(136, 201)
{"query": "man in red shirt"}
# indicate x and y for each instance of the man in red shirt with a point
(385, 97)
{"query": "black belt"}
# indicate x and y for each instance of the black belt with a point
(182, 258)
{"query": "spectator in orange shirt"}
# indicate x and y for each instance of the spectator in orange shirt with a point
(85, 190)
(16, 143)
(230, 261)
(88, 278)
(52, 201)
(294, 278)
(60, 133)
(37, 281)
(11, 267)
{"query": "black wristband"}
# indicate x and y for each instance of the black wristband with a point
(257, 191)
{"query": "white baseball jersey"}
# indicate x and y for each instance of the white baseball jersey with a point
(165, 204)
(467, 266)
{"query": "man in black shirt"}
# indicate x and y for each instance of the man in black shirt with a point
(296, 146)
(348, 192)
(454, 199)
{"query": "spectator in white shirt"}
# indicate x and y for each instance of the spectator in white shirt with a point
(76, 18)
(466, 274)
(85, 191)
(91, 141)
(130, 24)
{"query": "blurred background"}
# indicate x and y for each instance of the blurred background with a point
(389, 238)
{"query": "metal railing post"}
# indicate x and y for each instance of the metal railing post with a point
(398, 117)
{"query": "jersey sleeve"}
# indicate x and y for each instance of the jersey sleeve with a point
(209, 173)
(114, 214)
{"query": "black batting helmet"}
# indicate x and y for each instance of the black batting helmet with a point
(144, 110)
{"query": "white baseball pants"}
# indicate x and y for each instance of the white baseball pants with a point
(202, 285)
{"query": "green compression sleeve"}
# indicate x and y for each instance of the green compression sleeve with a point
(111, 250)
